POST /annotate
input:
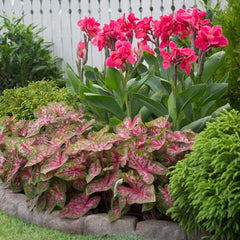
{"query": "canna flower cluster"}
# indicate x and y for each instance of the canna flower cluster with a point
(116, 38)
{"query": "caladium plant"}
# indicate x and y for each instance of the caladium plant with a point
(61, 162)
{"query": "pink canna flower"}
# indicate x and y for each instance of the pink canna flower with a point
(183, 56)
(210, 37)
(192, 19)
(90, 26)
(143, 28)
(81, 50)
(142, 46)
(121, 55)
(163, 29)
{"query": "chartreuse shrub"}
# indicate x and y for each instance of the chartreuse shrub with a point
(21, 102)
(24, 55)
(59, 161)
(205, 186)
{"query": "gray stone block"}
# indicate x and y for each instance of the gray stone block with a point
(124, 225)
(97, 225)
(67, 225)
(161, 230)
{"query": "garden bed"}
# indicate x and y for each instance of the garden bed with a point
(15, 205)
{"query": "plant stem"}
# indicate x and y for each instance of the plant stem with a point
(125, 80)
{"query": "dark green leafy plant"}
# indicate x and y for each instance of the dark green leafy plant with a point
(59, 161)
(21, 102)
(24, 56)
(205, 186)
(229, 20)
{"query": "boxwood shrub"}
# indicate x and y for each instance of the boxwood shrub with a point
(22, 101)
(205, 186)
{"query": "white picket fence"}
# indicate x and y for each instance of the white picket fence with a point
(60, 18)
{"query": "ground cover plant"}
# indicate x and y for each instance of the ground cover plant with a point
(173, 80)
(60, 162)
(205, 185)
(24, 55)
(23, 101)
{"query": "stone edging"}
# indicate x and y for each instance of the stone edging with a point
(15, 205)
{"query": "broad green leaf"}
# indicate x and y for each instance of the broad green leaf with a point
(197, 125)
(134, 85)
(172, 108)
(155, 107)
(151, 60)
(214, 92)
(159, 84)
(106, 102)
(212, 64)
(190, 95)
(114, 79)
(73, 79)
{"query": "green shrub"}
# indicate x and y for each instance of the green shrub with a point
(229, 20)
(24, 100)
(205, 186)
(24, 56)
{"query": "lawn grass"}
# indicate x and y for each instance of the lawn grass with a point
(15, 229)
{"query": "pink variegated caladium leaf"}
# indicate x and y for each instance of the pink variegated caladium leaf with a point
(164, 201)
(2, 136)
(96, 142)
(43, 186)
(16, 162)
(79, 206)
(16, 184)
(10, 142)
(118, 208)
(128, 128)
(41, 203)
(30, 204)
(25, 147)
(58, 192)
(2, 164)
(35, 128)
(30, 190)
(79, 184)
(103, 183)
(41, 152)
(54, 162)
(143, 162)
(26, 174)
(155, 143)
(48, 176)
(137, 192)
(50, 202)
(94, 170)
(71, 171)
(20, 128)
(158, 126)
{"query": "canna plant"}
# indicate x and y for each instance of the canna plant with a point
(173, 80)
(60, 161)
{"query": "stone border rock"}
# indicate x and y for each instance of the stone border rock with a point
(15, 205)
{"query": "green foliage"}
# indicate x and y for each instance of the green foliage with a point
(150, 94)
(21, 102)
(229, 20)
(205, 186)
(61, 162)
(24, 56)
